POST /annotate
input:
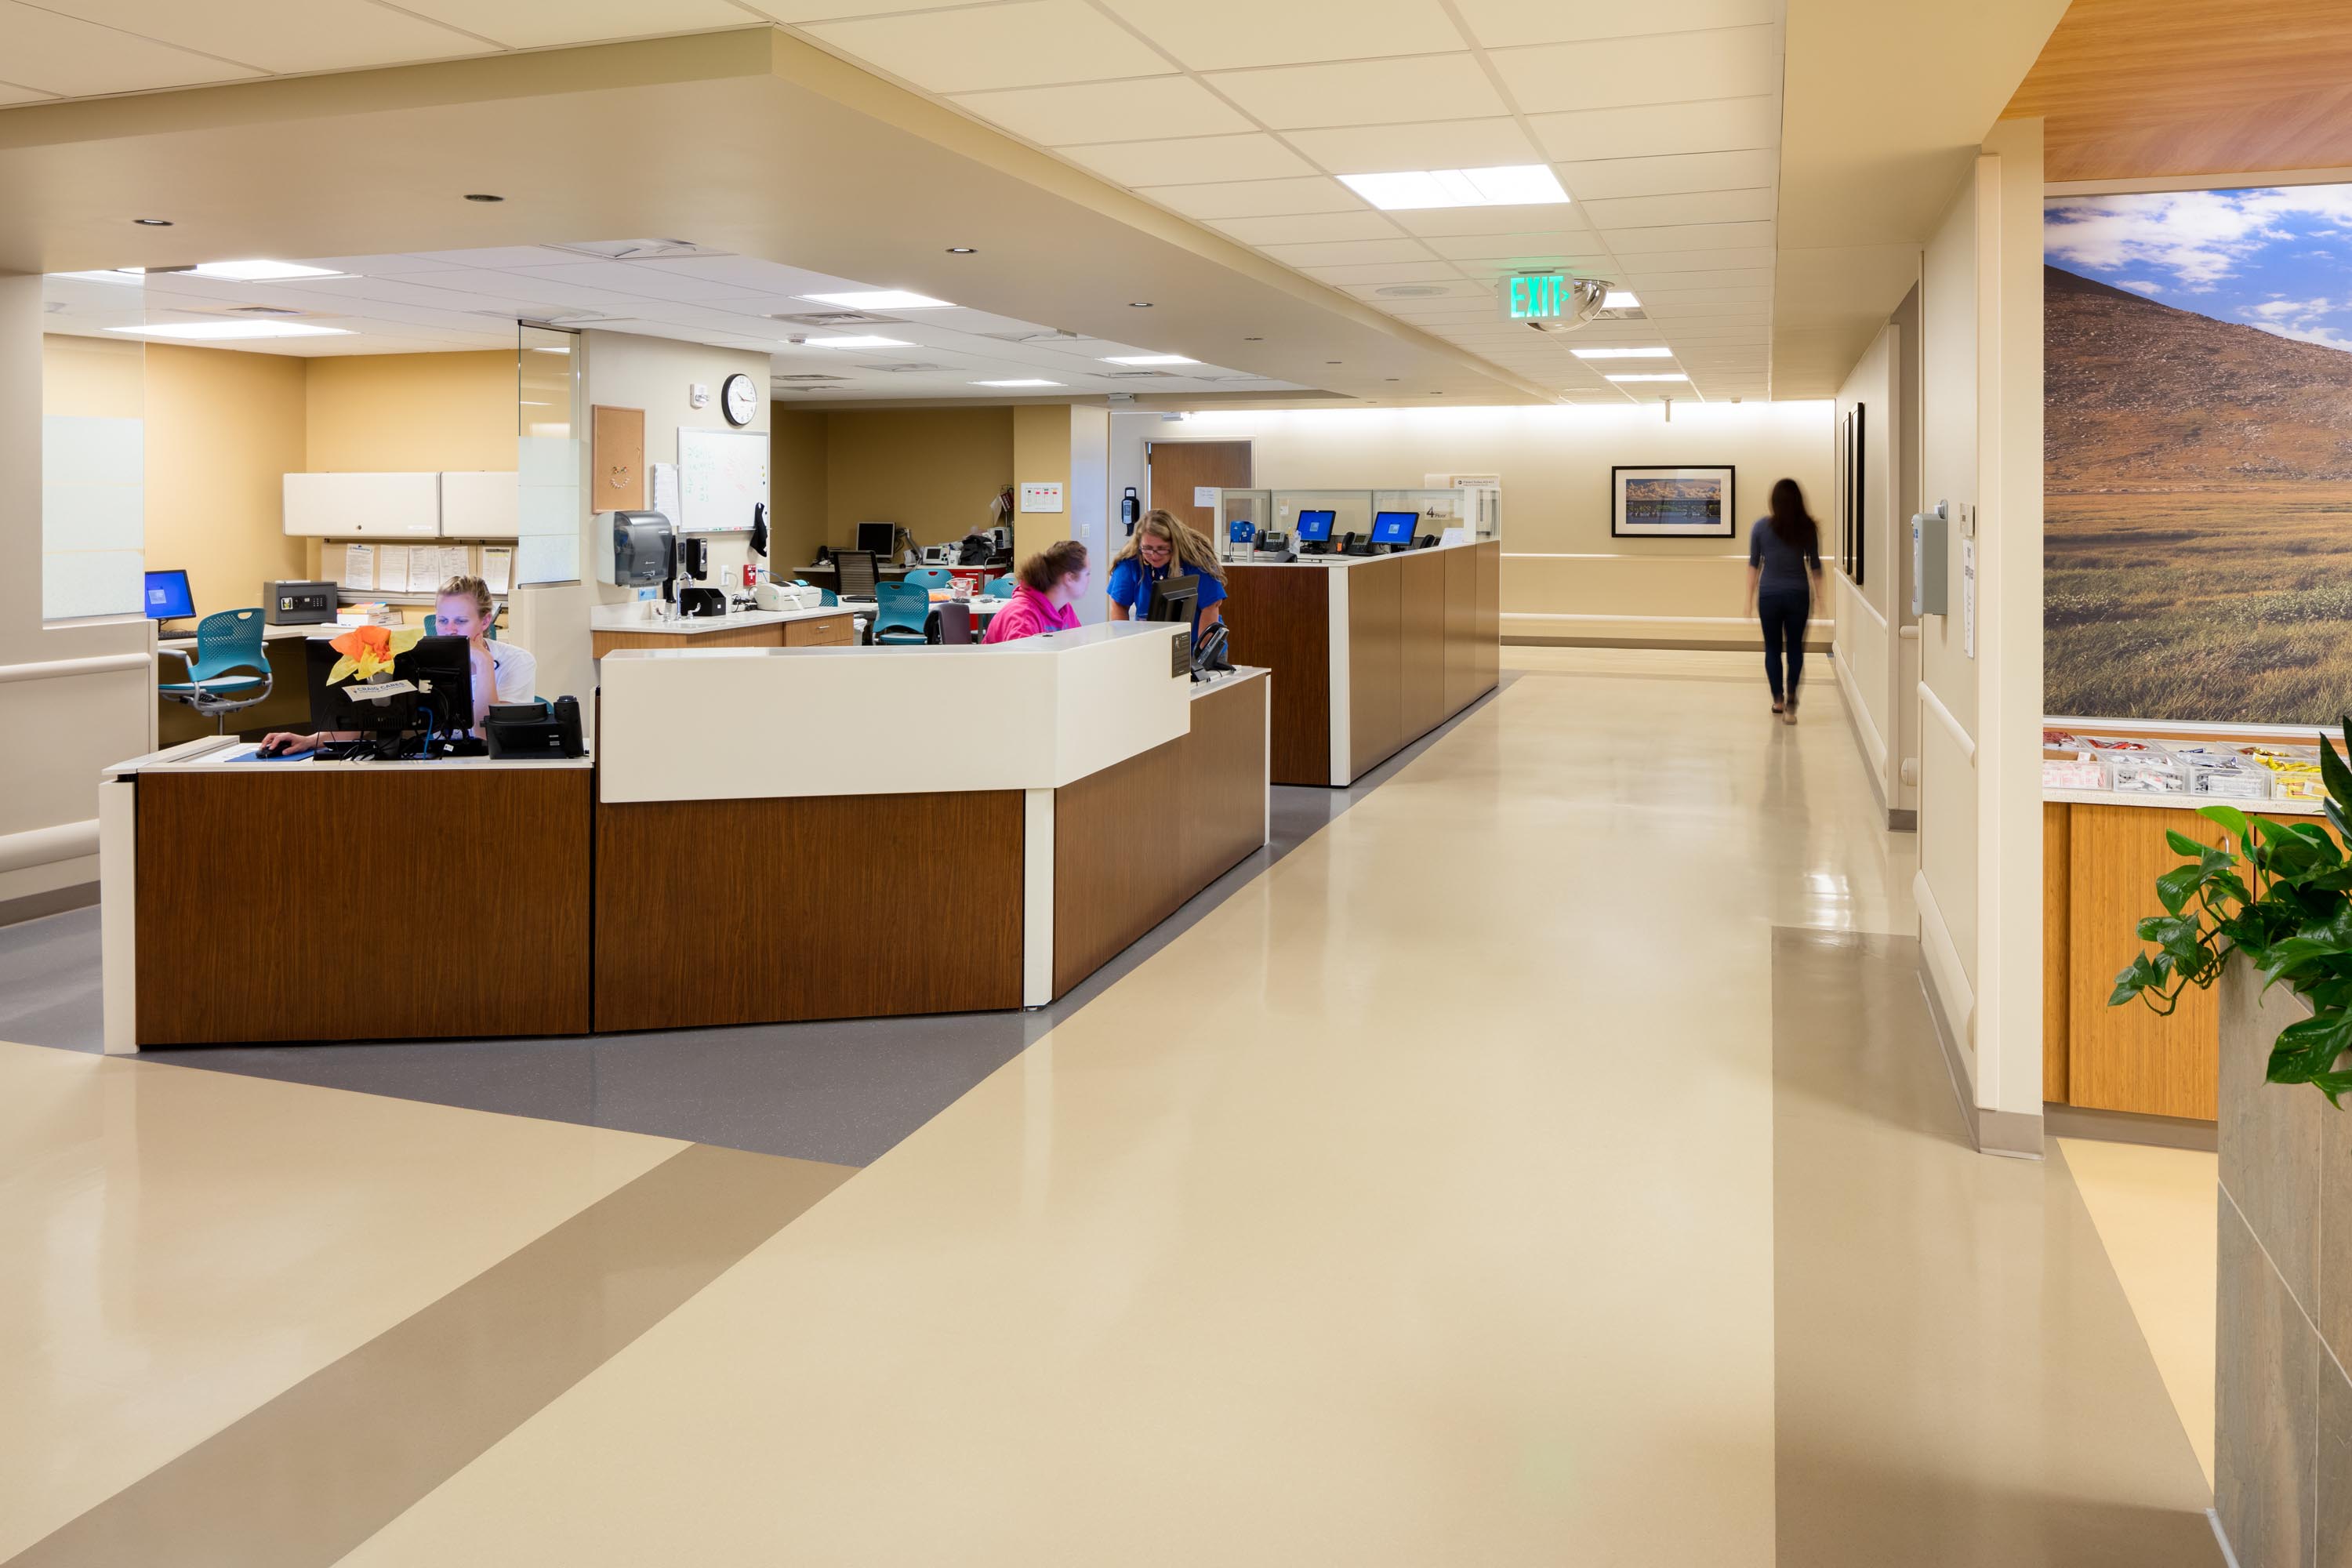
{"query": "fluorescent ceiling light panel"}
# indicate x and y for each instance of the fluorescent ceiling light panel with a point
(116, 275)
(227, 331)
(263, 272)
(1030, 382)
(1622, 354)
(882, 300)
(1620, 299)
(1150, 359)
(1512, 185)
(1676, 376)
(856, 342)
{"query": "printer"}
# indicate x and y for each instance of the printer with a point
(774, 595)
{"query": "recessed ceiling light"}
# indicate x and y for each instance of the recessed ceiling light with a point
(881, 300)
(482, 196)
(1511, 185)
(1148, 358)
(1027, 382)
(262, 271)
(1139, 304)
(225, 332)
(1622, 354)
(152, 222)
(961, 250)
(1675, 375)
(1620, 300)
(856, 342)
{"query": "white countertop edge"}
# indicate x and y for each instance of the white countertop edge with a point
(2183, 802)
(219, 754)
(1325, 563)
(605, 618)
(1240, 673)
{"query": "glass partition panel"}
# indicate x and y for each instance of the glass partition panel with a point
(1476, 508)
(549, 455)
(1351, 512)
(1252, 506)
(93, 447)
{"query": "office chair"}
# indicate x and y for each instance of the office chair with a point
(930, 577)
(954, 623)
(856, 576)
(902, 613)
(1002, 588)
(228, 640)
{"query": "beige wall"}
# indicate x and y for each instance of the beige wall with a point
(936, 470)
(796, 485)
(223, 429)
(1868, 617)
(1563, 575)
(1041, 455)
(411, 413)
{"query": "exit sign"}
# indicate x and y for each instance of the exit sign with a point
(1537, 296)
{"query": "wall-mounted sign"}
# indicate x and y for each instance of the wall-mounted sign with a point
(1040, 497)
(1537, 296)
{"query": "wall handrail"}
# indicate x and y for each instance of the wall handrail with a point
(1958, 733)
(59, 668)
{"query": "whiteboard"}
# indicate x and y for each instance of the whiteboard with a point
(720, 473)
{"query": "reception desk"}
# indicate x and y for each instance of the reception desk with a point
(617, 626)
(767, 835)
(1369, 653)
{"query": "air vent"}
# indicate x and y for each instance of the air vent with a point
(1041, 335)
(549, 316)
(265, 310)
(638, 249)
(840, 319)
(1138, 375)
(907, 369)
(804, 377)
(1409, 292)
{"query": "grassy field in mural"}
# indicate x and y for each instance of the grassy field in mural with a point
(2221, 604)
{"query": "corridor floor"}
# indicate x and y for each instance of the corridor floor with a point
(1546, 1161)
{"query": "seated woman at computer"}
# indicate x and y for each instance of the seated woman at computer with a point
(1159, 544)
(503, 671)
(1049, 584)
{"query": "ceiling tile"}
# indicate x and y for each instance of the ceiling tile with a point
(1670, 67)
(1630, 213)
(1258, 198)
(45, 52)
(841, 10)
(1691, 237)
(282, 35)
(1256, 156)
(1656, 300)
(1654, 129)
(1343, 252)
(1550, 242)
(534, 23)
(1309, 228)
(1668, 313)
(1636, 260)
(1030, 44)
(1452, 289)
(1217, 34)
(1426, 271)
(1597, 180)
(1430, 144)
(1364, 92)
(1707, 278)
(1154, 108)
(12, 94)
(1497, 24)
(1555, 215)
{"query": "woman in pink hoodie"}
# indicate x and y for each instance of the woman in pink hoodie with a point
(1051, 581)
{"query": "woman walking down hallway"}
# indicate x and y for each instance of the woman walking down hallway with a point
(1784, 576)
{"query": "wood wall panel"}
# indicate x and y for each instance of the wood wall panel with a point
(1461, 629)
(2127, 1058)
(1426, 678)
(767, 911)
(1375, 663)
(249, 928)
(1280, 618)
(2055, 879)
(770, 634)
(1208, 787)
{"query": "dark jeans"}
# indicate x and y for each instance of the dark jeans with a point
(1784, 612)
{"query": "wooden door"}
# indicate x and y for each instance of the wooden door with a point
(1177, 468)
(2128, 1059)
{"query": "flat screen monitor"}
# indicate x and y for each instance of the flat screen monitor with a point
(1176, 597)
(441, 667)
(1315, 527)
(168, 599)
(880, 539)
(1394, 527)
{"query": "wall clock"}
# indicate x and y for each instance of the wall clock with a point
(738, 399)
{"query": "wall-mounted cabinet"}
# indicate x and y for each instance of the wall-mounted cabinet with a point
(479, 505)
(449, 505)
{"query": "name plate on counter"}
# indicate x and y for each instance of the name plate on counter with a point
(1179, 654)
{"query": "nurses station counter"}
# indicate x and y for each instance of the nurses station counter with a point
(1369, 652)
(766, 834)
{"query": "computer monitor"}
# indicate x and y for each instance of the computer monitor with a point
(168, 599)
(442, 671)
(1394, 527)
(1176, 597)
(1315, 527)
(880, 539)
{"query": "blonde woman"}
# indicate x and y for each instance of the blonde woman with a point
(502, 672)
(1162, 545)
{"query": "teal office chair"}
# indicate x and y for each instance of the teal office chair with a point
(902, 613)
(228, 641)
(1002, 588)
(929, 577)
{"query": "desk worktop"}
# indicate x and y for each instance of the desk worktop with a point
(227, 753)
(268, 634)
(1325, 563)
(624, 618)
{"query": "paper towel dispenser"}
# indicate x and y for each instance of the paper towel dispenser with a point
(643, 552)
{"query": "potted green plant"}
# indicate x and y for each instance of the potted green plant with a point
(2279, 893)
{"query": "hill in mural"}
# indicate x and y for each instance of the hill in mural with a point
(2197, 485)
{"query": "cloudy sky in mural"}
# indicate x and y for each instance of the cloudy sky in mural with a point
(2279, 259)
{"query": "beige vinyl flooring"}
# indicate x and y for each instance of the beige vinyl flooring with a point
(1549, 1161)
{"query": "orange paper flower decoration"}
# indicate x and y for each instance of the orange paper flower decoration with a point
(368, 651)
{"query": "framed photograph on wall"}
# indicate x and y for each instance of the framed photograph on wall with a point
(1857, 528)
(1841, 436)
(1672, 503)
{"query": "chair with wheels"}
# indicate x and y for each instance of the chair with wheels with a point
(953, 621)
(930, 577)
(854, 572)
(226, 642)
(1002, 587)
(902, 612)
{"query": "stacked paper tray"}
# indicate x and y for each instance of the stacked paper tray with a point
(2224, 773)
(2139, 767)
(2293, 771)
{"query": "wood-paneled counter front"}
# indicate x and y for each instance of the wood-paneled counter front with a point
(1369, 653)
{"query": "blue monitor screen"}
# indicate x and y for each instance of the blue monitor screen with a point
(1394, 527)
(1315, 527)
(167, 596)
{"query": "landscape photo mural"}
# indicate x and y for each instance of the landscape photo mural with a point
(2197, 455)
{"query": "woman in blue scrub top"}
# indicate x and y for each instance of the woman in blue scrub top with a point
(1161, 544)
